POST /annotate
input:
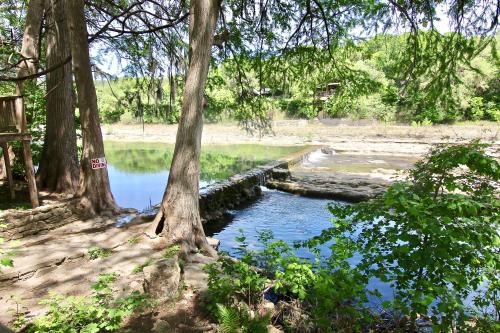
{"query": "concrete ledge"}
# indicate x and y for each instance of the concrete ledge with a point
(243, 188)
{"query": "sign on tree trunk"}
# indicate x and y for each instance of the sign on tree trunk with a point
(98, 163)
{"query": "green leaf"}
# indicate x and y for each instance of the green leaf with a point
(7, 262)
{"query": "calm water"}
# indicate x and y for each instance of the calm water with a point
(290, 218)
(138, 172)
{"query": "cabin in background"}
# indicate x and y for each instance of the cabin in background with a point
(322, 94)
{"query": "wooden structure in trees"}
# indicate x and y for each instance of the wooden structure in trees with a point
(13, 127)
(321, 94)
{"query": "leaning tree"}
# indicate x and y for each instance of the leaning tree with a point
(179, 216)
(94, 189)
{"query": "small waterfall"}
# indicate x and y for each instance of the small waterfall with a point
(317, 156)
(262, 178)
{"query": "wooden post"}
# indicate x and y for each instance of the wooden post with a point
(30, 174)
(21, 114)
(8, 169)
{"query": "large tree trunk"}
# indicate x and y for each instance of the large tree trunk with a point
(178, 220)
(94, 189)
(58, 171)
(29, 53)
(31, 39)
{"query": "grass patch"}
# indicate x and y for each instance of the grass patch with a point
(137, 269)
(171, 251)
(134, 240)
(96, 252)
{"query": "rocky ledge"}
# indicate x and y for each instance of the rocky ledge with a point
(336, 186)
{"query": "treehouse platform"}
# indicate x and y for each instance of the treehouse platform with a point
(13, 127)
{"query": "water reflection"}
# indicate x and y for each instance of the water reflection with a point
(138, 172)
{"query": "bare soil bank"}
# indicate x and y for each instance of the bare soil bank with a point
(352, 136)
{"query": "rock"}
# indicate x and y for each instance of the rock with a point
(136, 286)
(161, 326)
(267, 307)
(195, 277)
(328, 150)
(162, 278)
(280, 174)
(338, 186)
(213, 242)
(272, 329)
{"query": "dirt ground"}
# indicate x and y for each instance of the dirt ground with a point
(362, 137)
(290, 132)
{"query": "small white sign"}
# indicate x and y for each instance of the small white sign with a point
(98, 163)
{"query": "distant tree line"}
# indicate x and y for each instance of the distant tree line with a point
(372, 86)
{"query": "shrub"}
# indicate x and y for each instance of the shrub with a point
(239, 320)
(302, 108)
(95, 314)
(96, 252)
(327, 299)
(230, 282)
(434, 238)
(476, 108)
(112, 114)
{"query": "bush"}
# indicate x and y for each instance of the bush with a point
(231, 282)
(434, 238)
(95, 314)
(339, 105)
(476, 108)
(112, 114)
(327, 298)
(299, 108)
(479, 109)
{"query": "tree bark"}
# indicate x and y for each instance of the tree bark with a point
(58, 171)
(178, 220)
(94, 190)
(31, 39)
(29, 52)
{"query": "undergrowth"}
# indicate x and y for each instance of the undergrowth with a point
(96, 252)
(99, 313)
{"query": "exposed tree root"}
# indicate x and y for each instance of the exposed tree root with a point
(187, 232)
(89, 208)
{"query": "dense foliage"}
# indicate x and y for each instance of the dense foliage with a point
(372, 85)
(269, 64)
(434, 239)
(95, 314)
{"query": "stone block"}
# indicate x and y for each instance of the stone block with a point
(162, 278)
